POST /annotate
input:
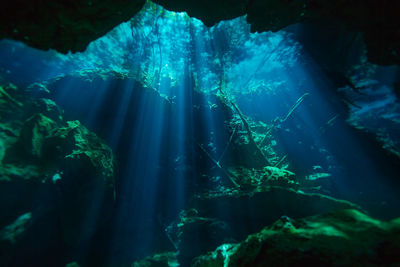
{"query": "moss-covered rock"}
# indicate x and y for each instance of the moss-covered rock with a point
(340, 238)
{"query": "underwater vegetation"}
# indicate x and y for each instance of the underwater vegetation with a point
(240, 133)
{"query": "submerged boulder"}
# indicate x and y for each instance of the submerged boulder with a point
(165, 259)
(214, 219)
(340, 238)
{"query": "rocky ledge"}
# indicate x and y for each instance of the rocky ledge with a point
(56, 181)
(214, 219)
(340, 238)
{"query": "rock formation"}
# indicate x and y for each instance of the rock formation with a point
(66, 26)
(340, 238)
(56, 182)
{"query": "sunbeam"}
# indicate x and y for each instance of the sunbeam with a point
(170, 143)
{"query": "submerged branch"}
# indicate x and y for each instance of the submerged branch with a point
(7, 95)
(266, 135)
(249, 132)
(278, 120)
(265, 59)
(293, 108)
(227, 145)
(280, 161)
(230, 175)
(246, 126)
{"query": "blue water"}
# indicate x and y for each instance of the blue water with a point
(156, 120)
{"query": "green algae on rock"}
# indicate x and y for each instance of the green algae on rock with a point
(214, 219)
(53, 175)
(271, 176)
(72, 264)
(165, 259)
(13, 231)
(340, 238)
(77, 142)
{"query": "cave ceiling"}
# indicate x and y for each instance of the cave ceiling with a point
(70, 25)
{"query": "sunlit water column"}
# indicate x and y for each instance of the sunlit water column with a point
(136, 217)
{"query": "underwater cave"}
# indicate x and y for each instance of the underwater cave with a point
(199, 133)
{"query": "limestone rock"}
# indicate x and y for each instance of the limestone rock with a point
(216, 218)
(340, 238)
(76, 142)
(13, 231)
(166, 259)
(361, 16)
(71, 26)
(209, 12)
(63, 25)
(56, 182)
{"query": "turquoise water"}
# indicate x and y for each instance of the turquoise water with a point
(186, 111)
